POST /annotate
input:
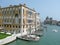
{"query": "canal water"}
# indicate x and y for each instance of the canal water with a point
(49, 38)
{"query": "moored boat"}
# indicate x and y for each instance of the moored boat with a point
(29, 38)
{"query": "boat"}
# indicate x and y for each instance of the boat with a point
(29, 38)
(38, 33)
(54, 30)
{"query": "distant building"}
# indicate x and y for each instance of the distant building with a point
(50, 21)
(58, 23)
(54, 22)
(18, 18)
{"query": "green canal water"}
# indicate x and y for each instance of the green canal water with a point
(49, 38)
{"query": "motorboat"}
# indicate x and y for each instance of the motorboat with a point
(54, 30)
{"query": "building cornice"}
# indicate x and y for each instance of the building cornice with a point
(12, 6)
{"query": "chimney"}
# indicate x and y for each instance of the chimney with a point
(10, 5)
(34, 9)
(24, 4)
(38, 13)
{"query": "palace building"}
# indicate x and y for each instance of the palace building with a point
(18, 18)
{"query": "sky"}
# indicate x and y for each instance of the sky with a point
(46, 8)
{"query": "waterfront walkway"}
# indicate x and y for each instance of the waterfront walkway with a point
(11, 38)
